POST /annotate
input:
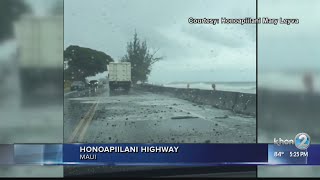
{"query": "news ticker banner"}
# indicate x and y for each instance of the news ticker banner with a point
(158, 154)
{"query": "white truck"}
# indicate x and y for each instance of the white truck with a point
(119, 76)
(40, 57)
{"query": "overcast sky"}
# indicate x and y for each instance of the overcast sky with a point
(285, 47)
(192, 52)
(195, 52)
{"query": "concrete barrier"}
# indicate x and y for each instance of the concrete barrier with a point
(242, 103)
(245, 103)
(230, 99)
(200, 96)
(192, 95)
(216, 99)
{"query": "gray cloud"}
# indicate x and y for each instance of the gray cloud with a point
(212, 35)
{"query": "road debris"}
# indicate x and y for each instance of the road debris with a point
(221, 117)
(184, 117)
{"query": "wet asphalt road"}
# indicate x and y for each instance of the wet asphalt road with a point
(142, 117)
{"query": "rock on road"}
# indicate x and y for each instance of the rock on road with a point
(142, 117)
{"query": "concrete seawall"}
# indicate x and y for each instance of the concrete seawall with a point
(242, 103)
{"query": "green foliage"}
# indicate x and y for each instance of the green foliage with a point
(140, 58)
(10, 11)
(84, 62)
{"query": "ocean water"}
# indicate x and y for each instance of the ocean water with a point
(244, 87)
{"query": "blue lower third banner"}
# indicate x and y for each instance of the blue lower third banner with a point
(165, 154)
(158, 154)
(291, 155)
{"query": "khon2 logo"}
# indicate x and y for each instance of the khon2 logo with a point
(301, 141)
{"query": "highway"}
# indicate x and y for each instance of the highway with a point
(143, 117)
